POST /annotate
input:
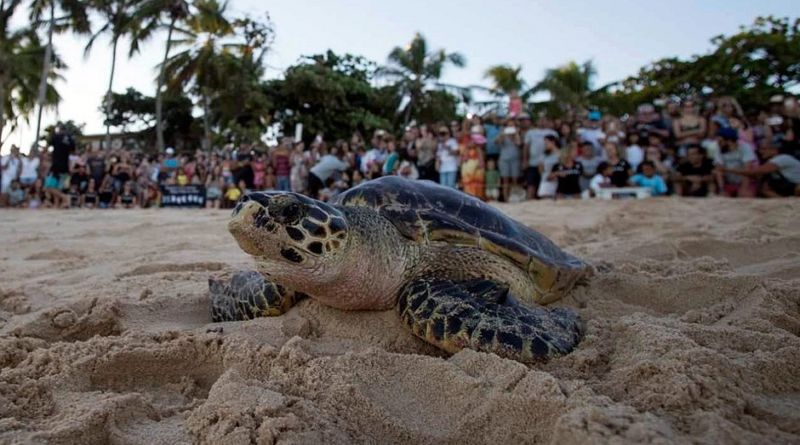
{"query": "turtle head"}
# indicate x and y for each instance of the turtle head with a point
(289, 230)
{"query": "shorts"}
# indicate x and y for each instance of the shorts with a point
(509, 168)
(532, 177)
(213, 193)
(781, 185)
(51, 182)
(493, 194)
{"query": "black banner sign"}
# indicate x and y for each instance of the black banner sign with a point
(183, 196)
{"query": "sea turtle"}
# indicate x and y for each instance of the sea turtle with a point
(460, 273)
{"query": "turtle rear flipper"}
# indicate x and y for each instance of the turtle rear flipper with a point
(248, 295)
(472, 314)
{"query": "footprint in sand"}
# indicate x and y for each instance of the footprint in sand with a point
(149, 269)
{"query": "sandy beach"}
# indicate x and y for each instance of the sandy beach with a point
(693, 335)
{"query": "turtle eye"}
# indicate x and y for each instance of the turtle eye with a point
(291, 213)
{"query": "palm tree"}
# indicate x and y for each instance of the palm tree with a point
(570, 86)
(209, 36)
(21, 54)
(120, 21)
(505, 79)
(416, 69)
(175, 11)
(75, 18)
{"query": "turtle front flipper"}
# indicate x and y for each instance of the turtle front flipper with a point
(482, 315)
(248, 295)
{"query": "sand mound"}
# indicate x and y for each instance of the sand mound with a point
(693, 335)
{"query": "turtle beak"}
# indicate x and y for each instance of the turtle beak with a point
(244, 223)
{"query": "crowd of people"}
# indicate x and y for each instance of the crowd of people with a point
(689, 148)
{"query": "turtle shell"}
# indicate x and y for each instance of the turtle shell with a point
(427, 212)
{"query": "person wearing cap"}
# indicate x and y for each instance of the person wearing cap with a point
(509, 162)
(780, 173)
(533, 151)
(734, 154)
(591, 131)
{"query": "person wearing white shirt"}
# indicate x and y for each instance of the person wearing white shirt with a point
(10, 165)
(30, 169)
(447, 158)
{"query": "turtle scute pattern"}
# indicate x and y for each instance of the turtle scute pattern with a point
(248, 295)
(445, 209)
(481, 315)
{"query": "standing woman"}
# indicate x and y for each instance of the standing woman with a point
(622, 170)
(281, 162)
(472, 167)
(690, 127)
(447, 158)
(299, 173)
(425, 147)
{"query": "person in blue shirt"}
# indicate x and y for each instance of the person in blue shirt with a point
(492, 130)
(649, 179)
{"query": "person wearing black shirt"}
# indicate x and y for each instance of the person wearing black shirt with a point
(622, 170)
(568, 175)
(245, 173)
(80, 178)
(696, 175)
(63, 144)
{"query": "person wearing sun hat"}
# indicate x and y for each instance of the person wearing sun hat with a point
(472, 168)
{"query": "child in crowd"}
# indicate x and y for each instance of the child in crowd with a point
(214, 186)
(327, 192)
(650, 179)
(90, 197)
(16, 196)
(74, 196)
(36, 195)
(270, 181)
(357, 178)
(492, 180)
(127, 199)
(602, 179)
(233, 194)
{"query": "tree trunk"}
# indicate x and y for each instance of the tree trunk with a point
(159, 97)
(2, 106)
(206, 120)
(108, 93)
(48, 55)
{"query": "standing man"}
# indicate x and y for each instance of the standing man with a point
(533, 151)
(63, 145)
(509, 162)
(10, 168)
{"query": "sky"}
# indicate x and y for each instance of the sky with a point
(620, 36)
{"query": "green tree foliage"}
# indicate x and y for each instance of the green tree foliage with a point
(751, 65)
(133, 111)
(21, 56)
(505, 79)
(416, 70)
(329, 94)
(206, 61)
(570, 86)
